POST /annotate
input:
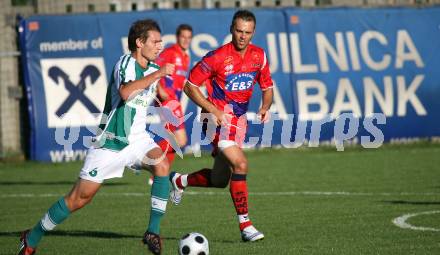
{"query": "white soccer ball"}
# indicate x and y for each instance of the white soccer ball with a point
(193, 244)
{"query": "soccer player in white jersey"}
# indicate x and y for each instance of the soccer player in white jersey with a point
(122, 140)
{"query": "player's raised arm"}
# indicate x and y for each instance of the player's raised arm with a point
(128, 89)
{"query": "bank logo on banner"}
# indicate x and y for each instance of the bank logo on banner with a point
(75, 90)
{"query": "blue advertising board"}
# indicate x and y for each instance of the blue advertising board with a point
(324, 63)
(368, 61)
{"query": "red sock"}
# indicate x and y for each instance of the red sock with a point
(239, 195)
(200, 178)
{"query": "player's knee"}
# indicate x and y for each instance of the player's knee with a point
(162, 168)
(241, 167)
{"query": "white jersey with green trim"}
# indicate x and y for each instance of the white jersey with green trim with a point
(124, 122)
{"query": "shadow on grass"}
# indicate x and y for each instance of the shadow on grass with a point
(403, 202)
(98, 234)
(70, 183)
(79, 233)
(210, 240)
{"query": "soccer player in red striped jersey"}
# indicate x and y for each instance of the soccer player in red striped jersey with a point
(170, 87)
(230, 74)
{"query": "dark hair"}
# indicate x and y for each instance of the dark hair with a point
(183, 27)
(139, 29)
(244, 15)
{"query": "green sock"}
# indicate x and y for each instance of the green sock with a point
(56, 214)
(159, 197)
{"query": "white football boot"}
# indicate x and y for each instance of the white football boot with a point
(176, 193)
(251, 234)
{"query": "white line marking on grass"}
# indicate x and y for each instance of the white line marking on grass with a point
(401, 221)
(212, 193)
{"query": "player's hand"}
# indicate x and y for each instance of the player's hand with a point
(263, 115)
(167, 69)
(222, 118)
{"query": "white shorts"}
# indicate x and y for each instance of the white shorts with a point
(101, 164)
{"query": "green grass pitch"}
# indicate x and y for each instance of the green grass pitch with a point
(307, 201)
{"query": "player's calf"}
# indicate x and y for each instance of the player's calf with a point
(220, 179)
(77, 202)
